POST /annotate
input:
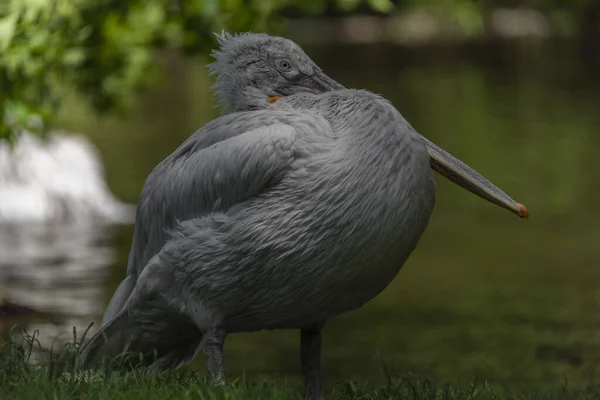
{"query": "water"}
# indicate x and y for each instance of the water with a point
(485, 295)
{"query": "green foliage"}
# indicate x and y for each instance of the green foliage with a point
(40, 42)
(104, 48)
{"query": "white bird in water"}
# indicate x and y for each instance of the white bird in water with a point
(301, 203)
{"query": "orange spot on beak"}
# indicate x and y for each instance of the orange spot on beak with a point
(524, 211)
(273, 99)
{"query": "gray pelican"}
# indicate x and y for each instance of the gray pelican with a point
(300, 203)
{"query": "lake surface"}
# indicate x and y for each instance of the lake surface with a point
(485, 295)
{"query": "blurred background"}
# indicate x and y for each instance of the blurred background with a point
(95, 93)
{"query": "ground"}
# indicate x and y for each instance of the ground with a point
(59, 378)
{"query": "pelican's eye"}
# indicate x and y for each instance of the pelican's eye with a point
(284, 65)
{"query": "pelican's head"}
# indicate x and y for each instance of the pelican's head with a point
(252, 69)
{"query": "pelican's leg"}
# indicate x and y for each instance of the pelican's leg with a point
(310, 355)
(213, 352)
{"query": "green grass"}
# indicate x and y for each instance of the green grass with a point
(58, 377)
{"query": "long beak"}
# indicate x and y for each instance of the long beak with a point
(323, 83)
(316, 83)
(463, 175)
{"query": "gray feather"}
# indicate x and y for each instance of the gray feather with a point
(279, 217)
(246, 77)
(123, 343)
(119, 298)
(276, 227)
(217, 178)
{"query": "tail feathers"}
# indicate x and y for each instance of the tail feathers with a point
(117, 302)
(118, 341)
(119, 345)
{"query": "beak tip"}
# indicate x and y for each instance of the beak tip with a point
(523, 211)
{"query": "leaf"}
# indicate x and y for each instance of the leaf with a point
(8, 27)
(32, 9)
(73, 57)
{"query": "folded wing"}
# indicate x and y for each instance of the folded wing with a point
(214, 169)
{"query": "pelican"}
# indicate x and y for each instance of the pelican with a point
(301, 202)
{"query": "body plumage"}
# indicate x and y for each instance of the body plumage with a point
(281, 214)
(327, 231)
(312, 244)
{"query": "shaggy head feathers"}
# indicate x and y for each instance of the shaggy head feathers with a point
(251, 67)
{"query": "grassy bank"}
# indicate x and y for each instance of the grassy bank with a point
(58, 377)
